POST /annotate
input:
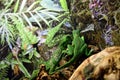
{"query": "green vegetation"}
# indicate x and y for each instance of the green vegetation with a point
(72, 45)
(21, 26)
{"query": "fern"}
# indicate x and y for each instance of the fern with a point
(4, 73)
(53, 31)
(25, 34)
(24, 14)
(4, 67)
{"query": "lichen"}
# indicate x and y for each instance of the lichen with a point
(117, 18)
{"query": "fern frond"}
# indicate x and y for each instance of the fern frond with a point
(22, 6)
(4, 67)
(4, 73)
(27, 15)
(53, 31)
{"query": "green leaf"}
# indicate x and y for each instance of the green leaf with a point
(53, 31)
(3, 65)
(16, 6)
(49, 4)
(25, 60)
(36, 54)
(14, 62)
(64, 4)
(9, 4)
(24, 70)
(32, 5)
(34, 74)
(22, 6)
(31, 55)
(43, 18)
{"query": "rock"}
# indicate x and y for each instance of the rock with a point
(104, 65)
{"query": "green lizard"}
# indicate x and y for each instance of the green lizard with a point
(75, 48)
(57, 55)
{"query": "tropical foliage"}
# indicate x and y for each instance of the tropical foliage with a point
(23, 26)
